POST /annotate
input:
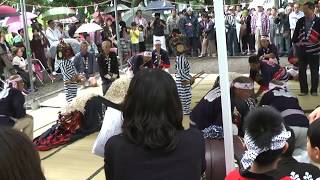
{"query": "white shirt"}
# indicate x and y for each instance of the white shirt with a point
(111, 126)
(259, 20)
(293, 19)
(19, 61)
(53, 35)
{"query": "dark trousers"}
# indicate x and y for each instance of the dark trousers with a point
(306, 59)
(232, 42)
(193, 44)
(252, 42)
(245, 43)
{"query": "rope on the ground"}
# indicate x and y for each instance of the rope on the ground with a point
(95, 173)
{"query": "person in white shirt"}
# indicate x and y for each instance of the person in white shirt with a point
(52, 33)
(294, 17)
(113, 119)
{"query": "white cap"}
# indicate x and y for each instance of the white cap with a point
(147, 54)
(281, 10)
(189, 9)
(157, 42)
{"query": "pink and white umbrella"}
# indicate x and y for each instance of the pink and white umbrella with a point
(19, 19)
(7, 11)
(14, 27)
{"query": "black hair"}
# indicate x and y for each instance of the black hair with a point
(50, 21)
(152, 110)
(60, 25)
(291, 143)
(18, 158)
(20, 30)
(262, 124)
(141, 26)
(216, 83)
(254, 59)
(310, 5)
(133, 24)
(313, 133)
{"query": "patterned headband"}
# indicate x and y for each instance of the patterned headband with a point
(253, 151)
(14, 82)
(239, 85)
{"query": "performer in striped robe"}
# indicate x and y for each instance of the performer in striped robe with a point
(68, 71)
(183, 79)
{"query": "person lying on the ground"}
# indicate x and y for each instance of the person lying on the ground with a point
(288, 165)
(268, 51)
(160, 57)
(12, 110)
(140, 61)
(113, 120)
(262, 72)
(266, 140)
(288, 105)
(209, 111)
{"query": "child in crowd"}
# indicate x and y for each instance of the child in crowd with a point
(142, 46)
(21, 65)
(134, 37)
(313, 144)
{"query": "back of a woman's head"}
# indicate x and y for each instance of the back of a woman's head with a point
(314, 133)
(262, 124)
(18, 158)
(152, 110)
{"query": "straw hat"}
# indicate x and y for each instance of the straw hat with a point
(118, 90)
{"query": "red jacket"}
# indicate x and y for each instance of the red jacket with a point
(235, 175)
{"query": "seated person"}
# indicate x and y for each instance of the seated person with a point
(19, 159)
(282, 100)
(160, 57)
(108, 66)
(262, 72)
(268, 51)
(287, 166)
(140, 61)
(154, 144)
(21, 65)
(85, 62)
(266, 140)
(313, 144)
(113, 120)
(12, 111)
(209, 111)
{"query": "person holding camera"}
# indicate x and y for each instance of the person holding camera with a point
(158, 27)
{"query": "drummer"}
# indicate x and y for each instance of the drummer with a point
(140, 61)
(160, 57)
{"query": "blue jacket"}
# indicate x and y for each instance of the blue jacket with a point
(189, 31)
(80, 65)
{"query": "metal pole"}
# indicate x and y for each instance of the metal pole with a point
(224, 84)
(119, 48)
(27, 42)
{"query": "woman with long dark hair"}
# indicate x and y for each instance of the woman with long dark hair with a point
(18, 158)
(154, 144)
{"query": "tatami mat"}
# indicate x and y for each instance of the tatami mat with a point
(76, 162)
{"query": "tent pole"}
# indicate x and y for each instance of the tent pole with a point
(27, 42)
(119, 48)
(224, 84)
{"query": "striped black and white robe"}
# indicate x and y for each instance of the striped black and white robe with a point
(68, 72)
(182, 74)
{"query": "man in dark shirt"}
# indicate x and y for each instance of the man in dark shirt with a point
(158, 27)
(12, 111)
(160, 57)
(140, 61)
(268, 51)
(263, 72)
(108, 66)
